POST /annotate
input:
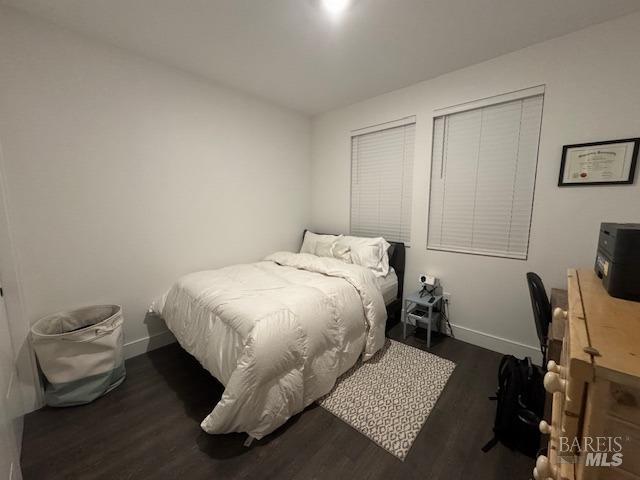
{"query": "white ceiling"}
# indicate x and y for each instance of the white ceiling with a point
(293, 53)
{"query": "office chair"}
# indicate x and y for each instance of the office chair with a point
(541, 311)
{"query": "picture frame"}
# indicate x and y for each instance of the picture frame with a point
(612, 162)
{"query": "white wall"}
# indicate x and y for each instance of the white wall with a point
(123, 174)
(592, 82)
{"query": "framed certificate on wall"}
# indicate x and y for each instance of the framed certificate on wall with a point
(599, 163)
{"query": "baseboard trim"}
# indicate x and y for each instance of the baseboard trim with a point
(466, 334)
(497, 344)
(146, 344)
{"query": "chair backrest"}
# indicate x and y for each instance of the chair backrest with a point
(541, 307)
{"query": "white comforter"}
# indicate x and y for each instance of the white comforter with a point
(276, 333)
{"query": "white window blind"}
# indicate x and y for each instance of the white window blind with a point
(381, 182)
(483, 172)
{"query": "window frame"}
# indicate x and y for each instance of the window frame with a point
(375, 128)
(513, 96)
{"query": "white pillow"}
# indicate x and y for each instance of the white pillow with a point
(324, 247)
(342, 252)
(321, 245)
(368, 252)
(309, 243)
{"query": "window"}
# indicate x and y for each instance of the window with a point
(381, 180)
(483, 169)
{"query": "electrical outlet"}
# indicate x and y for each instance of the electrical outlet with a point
(447, 297)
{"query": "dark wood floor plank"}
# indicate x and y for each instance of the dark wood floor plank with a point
(149, 428)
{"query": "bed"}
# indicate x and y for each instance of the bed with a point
(278, 333)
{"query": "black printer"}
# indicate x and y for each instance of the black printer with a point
(618, 259)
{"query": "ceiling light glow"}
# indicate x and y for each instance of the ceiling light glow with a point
(335, 6)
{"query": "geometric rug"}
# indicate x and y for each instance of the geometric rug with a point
(389, 397)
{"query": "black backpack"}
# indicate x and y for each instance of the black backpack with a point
(520, 408)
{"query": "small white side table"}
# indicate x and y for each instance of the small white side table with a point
(414, 301)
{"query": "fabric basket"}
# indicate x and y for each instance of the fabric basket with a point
(80, 354)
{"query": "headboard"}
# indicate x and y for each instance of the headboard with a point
(396, 260)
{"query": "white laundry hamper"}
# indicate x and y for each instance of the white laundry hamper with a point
(80, 354)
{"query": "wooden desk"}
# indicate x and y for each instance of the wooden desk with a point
(596, 385)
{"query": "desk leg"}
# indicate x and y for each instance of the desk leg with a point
(403, 318)
(429, 332)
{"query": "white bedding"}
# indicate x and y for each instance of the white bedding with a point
(388, 286)
(276, 333)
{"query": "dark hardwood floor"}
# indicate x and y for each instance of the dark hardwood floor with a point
(149, 428)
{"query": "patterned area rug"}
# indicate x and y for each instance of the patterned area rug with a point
(389, 398)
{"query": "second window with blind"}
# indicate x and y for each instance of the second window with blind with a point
(483, 173)
(381, 180)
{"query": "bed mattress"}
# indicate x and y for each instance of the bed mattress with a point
(388, 286)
